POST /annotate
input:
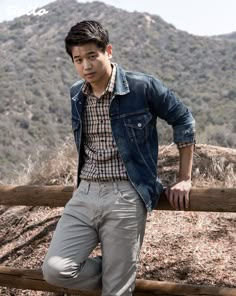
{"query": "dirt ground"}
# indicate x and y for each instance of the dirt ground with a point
(183, 247)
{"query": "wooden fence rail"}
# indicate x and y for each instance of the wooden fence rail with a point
(201, 199)
(210, 200)
(32, 279)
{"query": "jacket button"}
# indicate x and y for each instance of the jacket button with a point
(139, 124)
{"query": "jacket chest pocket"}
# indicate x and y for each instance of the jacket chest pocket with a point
(138, 127)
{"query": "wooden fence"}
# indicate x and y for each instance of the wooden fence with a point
(210, 200)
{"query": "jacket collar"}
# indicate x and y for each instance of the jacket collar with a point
(121, 85)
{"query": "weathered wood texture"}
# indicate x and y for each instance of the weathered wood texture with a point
(201, 199)
(32, 280)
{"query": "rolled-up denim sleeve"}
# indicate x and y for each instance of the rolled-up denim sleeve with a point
(165, 105)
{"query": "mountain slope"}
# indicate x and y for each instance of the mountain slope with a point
(36, 73)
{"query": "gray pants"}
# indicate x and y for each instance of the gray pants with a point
(111, 213)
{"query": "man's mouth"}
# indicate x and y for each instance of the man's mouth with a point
(88, 75)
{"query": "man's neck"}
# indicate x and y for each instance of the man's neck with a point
(99, 88)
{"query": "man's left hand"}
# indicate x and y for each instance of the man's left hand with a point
(178, 194)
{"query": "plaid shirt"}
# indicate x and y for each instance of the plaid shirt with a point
(102, 159)
(186, 144)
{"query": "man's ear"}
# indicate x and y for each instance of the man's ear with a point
(109, 51)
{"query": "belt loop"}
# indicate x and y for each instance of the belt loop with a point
(87, 187)
(115, 187)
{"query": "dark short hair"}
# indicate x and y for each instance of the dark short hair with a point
(86, 32)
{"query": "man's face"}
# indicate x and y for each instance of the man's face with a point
(91, 63)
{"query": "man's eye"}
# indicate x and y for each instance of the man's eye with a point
(92, 57)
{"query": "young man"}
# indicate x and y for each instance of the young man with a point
(114, 116)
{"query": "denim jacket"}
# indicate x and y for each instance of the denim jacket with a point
(137, 101)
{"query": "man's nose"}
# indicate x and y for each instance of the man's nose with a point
(87, 65)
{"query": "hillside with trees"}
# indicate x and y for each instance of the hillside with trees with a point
(36, 74)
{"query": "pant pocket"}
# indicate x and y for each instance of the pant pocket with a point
(129, 195)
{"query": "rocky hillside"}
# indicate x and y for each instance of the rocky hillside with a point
(230, 36)
(36, 73)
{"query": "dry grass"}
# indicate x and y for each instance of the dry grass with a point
(186, 247)
(51, 167)
(212, 167)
